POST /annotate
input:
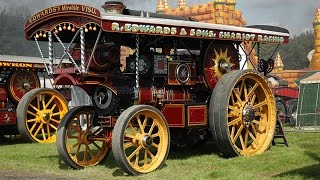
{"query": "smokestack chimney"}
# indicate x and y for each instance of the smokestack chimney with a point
(114, 7)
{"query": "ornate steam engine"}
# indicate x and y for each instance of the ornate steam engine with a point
(181, 85)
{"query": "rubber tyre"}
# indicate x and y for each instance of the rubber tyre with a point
(226, 114)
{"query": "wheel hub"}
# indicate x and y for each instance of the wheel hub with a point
(248, 114)
(85, 137)
(45, 116)
(147, 141)
(224, 66)
(26, 85)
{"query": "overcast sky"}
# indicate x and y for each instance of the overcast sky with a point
(295, 15)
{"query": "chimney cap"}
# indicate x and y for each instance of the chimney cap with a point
(113, 7)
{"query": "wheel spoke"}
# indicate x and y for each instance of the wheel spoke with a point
(259, 123)
(246, 137)
(57, 113)
(53, 106)
(256, 85)
(155, 145)
(234, 122)
(253, 99)
(33, 126)
(246, 97)
(150, 153)
(98, 138)
(43, 134)
(152, 127)
(128, 144)
(144, 123)
(136, 163)
(39, 128)
(263, 103)
(140, 125)
(237, 96)
(233, 129)
(85, 154)
(257, 113)
(78, 148)
(132, 128)
(129, 136)
(145, 162)
(29, 112)
(237, 111)
(54, 120)
(48, 130)
(90, 152)
(134, 153)
(252, 136)
(73, 146)
(35, 108)
(232, 99)
(96, 145)
(238, 134)
(48, 103)
(243, 145)
(32, 120)
(155, 135)
(51, 125)
(43, 104)
(254, 129)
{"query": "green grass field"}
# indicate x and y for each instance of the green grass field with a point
(301, 160)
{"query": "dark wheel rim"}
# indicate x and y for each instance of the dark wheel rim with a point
(79, 143)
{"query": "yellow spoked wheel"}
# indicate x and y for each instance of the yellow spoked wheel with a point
(39, 113)
(242, 114)
(80, 142)
(140, 140)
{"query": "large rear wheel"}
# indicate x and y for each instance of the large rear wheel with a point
(140, 142)
(39, 113)
(242, 114)
(79, 142)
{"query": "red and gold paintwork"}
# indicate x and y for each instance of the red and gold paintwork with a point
(77, 16)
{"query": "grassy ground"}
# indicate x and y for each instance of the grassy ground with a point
(301, 160)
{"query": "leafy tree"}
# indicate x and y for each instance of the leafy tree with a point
(12, 37)
(294, 54)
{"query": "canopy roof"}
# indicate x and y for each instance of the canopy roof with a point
(313, 79)
(78, 16)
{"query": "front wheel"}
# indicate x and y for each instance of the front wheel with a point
(79, 142)
(242, 114)
(39, 113)
(141, 140)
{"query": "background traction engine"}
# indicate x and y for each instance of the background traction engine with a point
(174, 90)
(21, 76)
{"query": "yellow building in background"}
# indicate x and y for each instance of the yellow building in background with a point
(225, 12)
(315, 62)
(215, 12)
